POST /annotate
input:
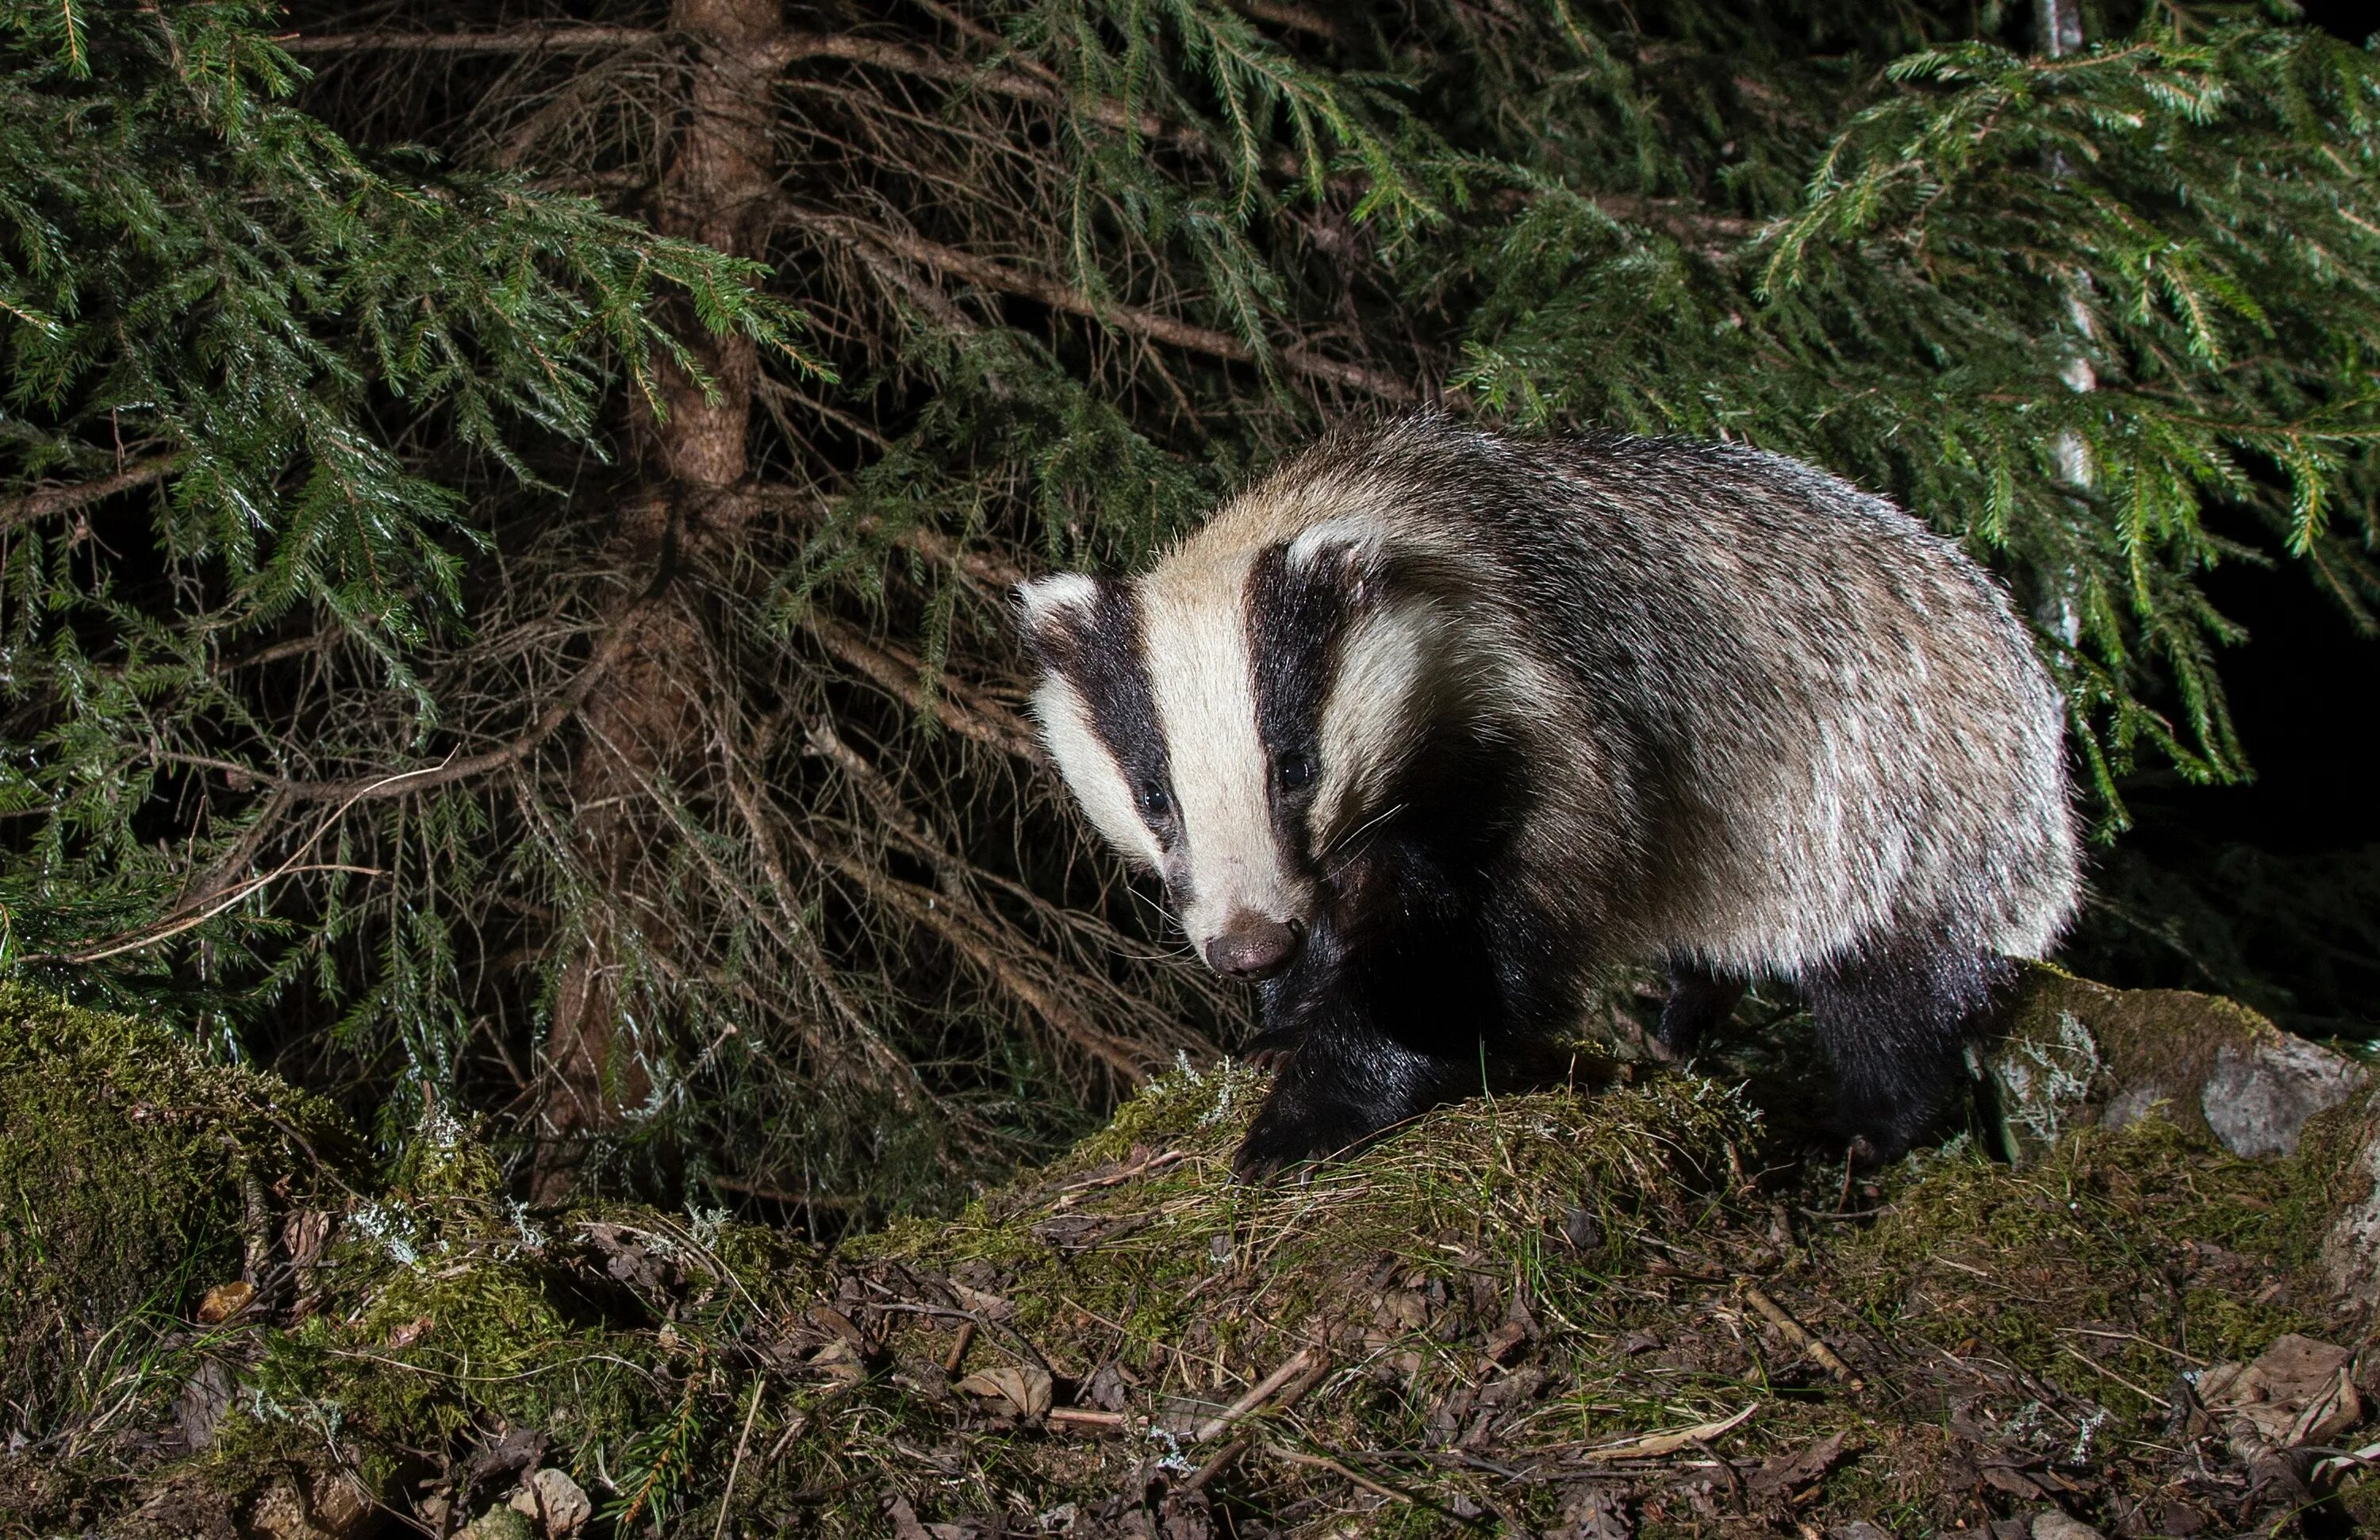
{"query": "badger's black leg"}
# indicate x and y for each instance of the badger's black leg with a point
(1698, 1001)
(1895, 1026)
(1344, 1081)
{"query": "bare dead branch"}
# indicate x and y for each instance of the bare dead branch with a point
(546, 38)
(957, 707)
(892, 1071)
(1297, 19)
(789, 49)
(1297, 358)
(50, 501)
(1133, 1060)
(380, 788)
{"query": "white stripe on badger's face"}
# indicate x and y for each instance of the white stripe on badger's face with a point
(1195, 640)
(1057, 598)
(1091, 773)
(1372, 718)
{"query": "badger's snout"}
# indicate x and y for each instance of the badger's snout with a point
(1252, 946)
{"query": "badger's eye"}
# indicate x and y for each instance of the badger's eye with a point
(1154, 801)
(1295, 770)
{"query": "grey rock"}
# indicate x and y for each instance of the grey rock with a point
(2066, 1053)
(2050, 1524)
(2135, 1102)
(563, 1505)
(2259, 1096)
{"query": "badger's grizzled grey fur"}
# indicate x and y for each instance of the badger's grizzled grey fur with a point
(1429, 725)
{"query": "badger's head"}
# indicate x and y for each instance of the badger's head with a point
(1234, 719)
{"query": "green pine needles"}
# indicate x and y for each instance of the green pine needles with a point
(455, 643)
(213, 310)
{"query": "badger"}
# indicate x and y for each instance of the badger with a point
(1429, 728)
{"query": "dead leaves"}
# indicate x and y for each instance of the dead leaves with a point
(2299, 1391)
(224, 1301)
(1785, 1475)
(1020, 1390)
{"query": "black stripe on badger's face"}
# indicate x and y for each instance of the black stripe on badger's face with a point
(1097, 716)
(1298, 614)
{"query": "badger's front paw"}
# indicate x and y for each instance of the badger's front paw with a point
(1292, 1130)
(1271, 1050)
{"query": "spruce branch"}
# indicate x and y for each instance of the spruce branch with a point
(46, 503)
(1298, 358)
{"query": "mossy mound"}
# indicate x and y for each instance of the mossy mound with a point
(2070, 1053)
(134, 1174)
(1593, 1311)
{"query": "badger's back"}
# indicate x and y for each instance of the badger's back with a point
(1767, 720)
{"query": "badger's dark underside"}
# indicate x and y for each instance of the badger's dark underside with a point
(1431, 978)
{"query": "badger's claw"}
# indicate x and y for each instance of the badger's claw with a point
(1270, 1051)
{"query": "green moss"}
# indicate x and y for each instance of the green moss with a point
(449, 1313)
(1539, 1279)
(129, 1162)
(2333, 1174)
(1486, 1184)
(2115, 1259)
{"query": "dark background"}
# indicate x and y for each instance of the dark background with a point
(2268, 890)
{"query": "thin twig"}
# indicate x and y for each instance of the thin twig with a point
(751, 1411)
(954, 705)
(1801, 1336)
(2098, 1369)
(1256, 1396)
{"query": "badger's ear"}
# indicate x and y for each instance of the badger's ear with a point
(1048, 609)
(1348, 554)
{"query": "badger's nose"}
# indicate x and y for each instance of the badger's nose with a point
(1254, 947)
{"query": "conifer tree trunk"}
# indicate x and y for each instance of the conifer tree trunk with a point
(644, 724)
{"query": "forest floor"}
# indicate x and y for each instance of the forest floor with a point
(1625, 1305)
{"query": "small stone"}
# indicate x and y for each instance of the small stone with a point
(329, 1506)
(2051, 1524)
(1858, 1529)
(1583, 1230)
(280, 1513)
(499, 1524)
(562, 1503)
